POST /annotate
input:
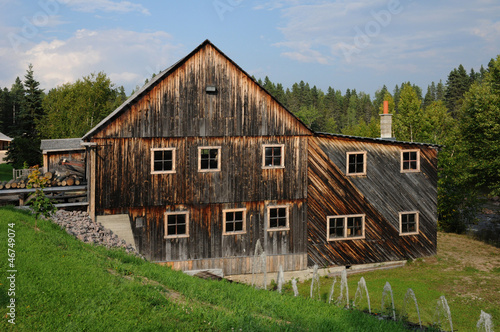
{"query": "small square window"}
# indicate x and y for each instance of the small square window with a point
(209, 158)
(408, 223)
(356, 163)
(336, 228)
(277, 218)
(162, 160)
(273, 156)
(354, 226)
(234, 221)
(348, 227)
(410, 161)
(176, 224)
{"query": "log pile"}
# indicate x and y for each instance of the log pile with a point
(57, 179)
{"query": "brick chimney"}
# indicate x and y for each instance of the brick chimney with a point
(386, 123)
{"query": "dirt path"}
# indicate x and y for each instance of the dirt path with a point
(468, 252)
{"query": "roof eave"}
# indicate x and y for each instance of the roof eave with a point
(378, 140)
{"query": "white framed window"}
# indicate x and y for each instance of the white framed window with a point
(410, 161)
(348, 227)
(234, 221)
(209, 158)
(408, 223)
(162, 160)
(273, 155)
(176, 224)
(278, 218)
(356, 163)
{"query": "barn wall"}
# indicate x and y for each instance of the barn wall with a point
(177, 112)
(380, 195)
(207, 246)
(179, 106)
(53, 159)
(125, 178)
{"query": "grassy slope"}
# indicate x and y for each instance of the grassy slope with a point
(5, 172)
(465, 271)
(65, 285)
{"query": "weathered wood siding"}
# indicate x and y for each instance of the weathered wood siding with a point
(177, 112)
(179, 106)
(206, 240)
(52, 159)
(125, 180)
(243, 264)
(380, 195)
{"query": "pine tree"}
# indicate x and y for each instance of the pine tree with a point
(440, 91)
(457, 84)
(25, 147)
(480, 128)
(429, 98)
(280, 93)
(395, 95)
(33, 110)
(17, 100)
(6, 112)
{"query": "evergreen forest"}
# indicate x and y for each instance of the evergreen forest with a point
(461, 115)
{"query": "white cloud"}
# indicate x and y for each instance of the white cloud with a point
(105, 5)
(125, 56)
(383, 34)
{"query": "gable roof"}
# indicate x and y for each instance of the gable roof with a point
(62, 144)
(4, 137)
(158, 78)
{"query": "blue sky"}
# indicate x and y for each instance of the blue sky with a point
(342, 44)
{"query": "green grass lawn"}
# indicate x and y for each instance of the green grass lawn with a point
(62, 284)
(465, 271)
(5, 172)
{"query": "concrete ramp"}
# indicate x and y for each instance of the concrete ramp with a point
(120, 225)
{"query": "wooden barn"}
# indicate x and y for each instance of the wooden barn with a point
(63, 152)
(370, 200)
(204, 163)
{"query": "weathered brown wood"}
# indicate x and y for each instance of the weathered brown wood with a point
(70, 181)
(178, 106)
(65, 160)
(378, 195)
(175, 111)
(178, 113)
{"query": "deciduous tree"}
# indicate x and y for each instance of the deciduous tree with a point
(73, 109)
(408, 120)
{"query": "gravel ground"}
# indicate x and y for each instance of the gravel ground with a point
(79, 224)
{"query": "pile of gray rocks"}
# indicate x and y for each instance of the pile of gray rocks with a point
(79, 224)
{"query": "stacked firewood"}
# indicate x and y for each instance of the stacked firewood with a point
(57, 179)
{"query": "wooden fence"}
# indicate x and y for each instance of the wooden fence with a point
(17, 173)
